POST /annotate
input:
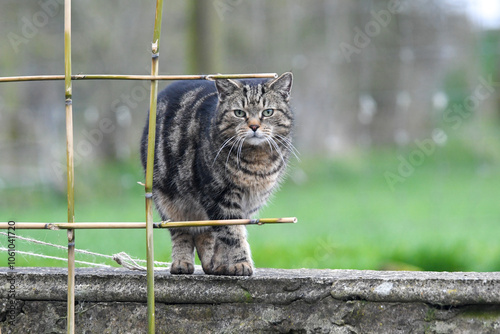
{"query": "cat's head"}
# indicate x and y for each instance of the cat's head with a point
(255, 112)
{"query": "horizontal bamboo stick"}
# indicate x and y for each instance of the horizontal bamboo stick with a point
(167, 224)
(137, 77)
(228, 222)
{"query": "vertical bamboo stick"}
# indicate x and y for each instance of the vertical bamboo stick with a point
(150, 166)
(70, 166)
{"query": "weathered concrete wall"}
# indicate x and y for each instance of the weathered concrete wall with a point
(272, 301)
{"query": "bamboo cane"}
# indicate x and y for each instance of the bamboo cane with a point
(141, 225)
(150, 166)
(70, 167)
(137, 77)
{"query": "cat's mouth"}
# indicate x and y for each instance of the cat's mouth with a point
(255, 138)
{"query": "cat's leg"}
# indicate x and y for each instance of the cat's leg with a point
(205, 242)
(231, 252)
(182, 251)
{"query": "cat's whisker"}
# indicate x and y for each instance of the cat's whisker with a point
(238, 155)
(293, 150)
(231, 149)
(270, 146)
(268, 138)
(237, 144)
(226, 142)
(288, 144)
(277, 148)
(286, 141)
(222, 147)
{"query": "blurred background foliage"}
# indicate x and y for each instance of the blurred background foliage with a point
(397, 107)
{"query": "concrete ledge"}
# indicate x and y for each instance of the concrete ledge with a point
(273, 300)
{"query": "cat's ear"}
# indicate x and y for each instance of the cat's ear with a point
(226, 87)
(282, 84)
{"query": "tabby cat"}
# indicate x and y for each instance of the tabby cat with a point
(221, 149)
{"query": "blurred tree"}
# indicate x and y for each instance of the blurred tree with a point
(380, 94)
(204, 40)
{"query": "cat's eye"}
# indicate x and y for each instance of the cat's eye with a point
(239, 113)
(268, 112)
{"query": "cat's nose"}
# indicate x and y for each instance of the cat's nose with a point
(254, 127)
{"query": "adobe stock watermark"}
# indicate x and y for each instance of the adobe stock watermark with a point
(139, 93)
(85, 147)
(454, 117)
(363, 37)
(94, 137)
(224, 7)
(324, 250)
(30, 26)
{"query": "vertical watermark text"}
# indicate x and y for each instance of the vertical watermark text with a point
(11, 275)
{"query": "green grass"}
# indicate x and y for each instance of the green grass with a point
(438, 219)
(444, 216)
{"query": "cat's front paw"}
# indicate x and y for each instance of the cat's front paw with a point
(182, 267)
(236, 269)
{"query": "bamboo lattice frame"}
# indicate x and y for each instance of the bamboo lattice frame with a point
(71, 226)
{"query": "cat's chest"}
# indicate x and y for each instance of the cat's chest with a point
(254, 199)
(256, 179)
(255, 188)
(256, 173)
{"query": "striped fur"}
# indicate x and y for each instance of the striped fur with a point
(221, 150)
